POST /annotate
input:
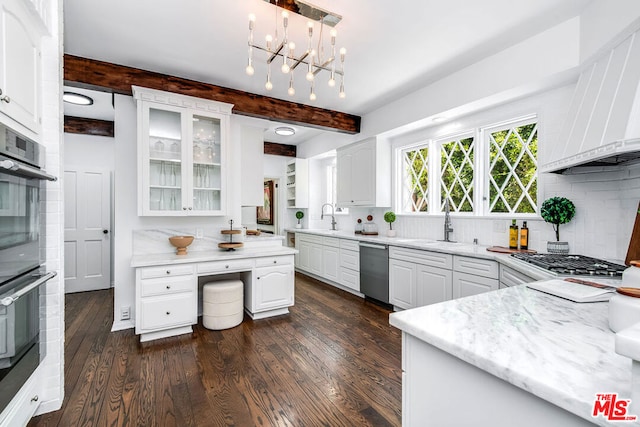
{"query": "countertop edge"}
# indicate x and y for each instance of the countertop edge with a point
(204, 256)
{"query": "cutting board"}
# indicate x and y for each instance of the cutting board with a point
(633, 253)
(505, 250)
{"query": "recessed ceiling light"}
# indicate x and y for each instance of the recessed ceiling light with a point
(76, 98)
(285, 131)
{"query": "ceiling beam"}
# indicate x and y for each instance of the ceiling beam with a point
(86, 126)
(108, 77)
(279, 149)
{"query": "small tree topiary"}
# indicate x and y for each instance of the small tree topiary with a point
(557, 210)
(299, 215)
(390, 217)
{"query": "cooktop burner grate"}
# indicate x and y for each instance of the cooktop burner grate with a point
(575, 265)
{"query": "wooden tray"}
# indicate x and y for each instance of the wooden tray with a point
(505, 250)
(253, 232)
(630, 292)
(230, 231)
(230, 246)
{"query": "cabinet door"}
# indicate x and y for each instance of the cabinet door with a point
(330, 263)
(274, 287)
(316, 265)
(433, 285)
(162, 154)
(402, 280)
(206, 175)
(465, 285)
(168, 311)
(363, 176)
(344, 167)
(19, 66)
(303, 260)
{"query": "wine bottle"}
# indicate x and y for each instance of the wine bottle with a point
(524, 236)
(513, 235)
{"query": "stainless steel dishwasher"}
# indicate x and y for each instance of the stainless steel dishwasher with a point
(374, 271)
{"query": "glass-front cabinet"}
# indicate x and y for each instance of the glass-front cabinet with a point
(182, 153)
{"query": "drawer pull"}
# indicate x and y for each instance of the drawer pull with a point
(34, 398)
(258, 277)
(168, 313)
(168, 271)
(275, 262)
(226, 266)
(168, 286)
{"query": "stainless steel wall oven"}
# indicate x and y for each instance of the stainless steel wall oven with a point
(22, 250)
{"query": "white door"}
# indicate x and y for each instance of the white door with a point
(87, 219)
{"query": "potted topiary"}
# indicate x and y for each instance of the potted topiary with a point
(390, 217)
(299, 215)
(557, 210)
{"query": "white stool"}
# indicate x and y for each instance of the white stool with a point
(222, 304)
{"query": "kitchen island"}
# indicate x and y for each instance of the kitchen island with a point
(514, 356)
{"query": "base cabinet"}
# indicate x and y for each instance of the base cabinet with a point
(433, 285)
(511, 277)
(465, 284)
(20, 410)
(402, 283)
(273, 287)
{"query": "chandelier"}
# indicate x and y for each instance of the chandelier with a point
(313, 57)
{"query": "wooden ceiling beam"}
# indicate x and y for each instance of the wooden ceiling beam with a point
(86, 126)
(108, 77)
(279, 149)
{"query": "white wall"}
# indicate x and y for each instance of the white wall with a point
(603, 20)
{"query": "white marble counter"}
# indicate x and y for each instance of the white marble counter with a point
(464, 249)
(560, 351)
(210, 255)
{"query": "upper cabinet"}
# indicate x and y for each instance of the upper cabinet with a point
(364, 174)
(20, 39)
(182, 154)
(298, 183)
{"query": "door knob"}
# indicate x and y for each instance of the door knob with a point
(105, 231)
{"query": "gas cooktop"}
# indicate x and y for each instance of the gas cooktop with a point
(573, 265)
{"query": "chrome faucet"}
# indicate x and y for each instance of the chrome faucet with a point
(447, 222)
(333, 218)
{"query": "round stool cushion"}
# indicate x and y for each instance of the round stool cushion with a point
(222, 304)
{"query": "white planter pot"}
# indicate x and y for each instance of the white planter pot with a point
(298, 225)
(391, 233)
(558, 247)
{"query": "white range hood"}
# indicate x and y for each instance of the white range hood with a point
(602, 129)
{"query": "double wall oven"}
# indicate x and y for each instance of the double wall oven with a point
(22, 250)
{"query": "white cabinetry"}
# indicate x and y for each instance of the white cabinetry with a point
(19, 66)
(25, 403)
(272, 287)
(182, 154)
(364, 174)
(349, 274)
(330, 258)
(511, 277)
(298, 183)
(310, 253)
(418, 277)
(166, 301)
(473, 276)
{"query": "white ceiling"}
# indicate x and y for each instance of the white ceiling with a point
(393, 48)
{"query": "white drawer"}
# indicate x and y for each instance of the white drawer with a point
(167, 312)
(304, 237)
(331, 241)
(164, 286)
(349, 278)
(511, 277)
(476, 266)
(351, 245)
(434, 259)
(166, 271)
(350, 259)
(229, 265)
(274, 260)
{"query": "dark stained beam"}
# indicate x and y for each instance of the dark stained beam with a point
(104, 76)
(279, 149)
(88, 126)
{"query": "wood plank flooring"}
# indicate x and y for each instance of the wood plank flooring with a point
(333, 361)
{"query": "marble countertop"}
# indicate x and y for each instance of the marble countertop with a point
(560, 351)
(209, 255)
(454, 248)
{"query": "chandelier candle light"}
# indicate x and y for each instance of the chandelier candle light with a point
(313, 58)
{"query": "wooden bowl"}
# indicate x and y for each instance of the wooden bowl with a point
(181, 243)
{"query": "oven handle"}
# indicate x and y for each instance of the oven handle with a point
(26, 170)
(7, 301)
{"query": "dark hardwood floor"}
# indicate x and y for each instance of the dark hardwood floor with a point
(333, 361)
